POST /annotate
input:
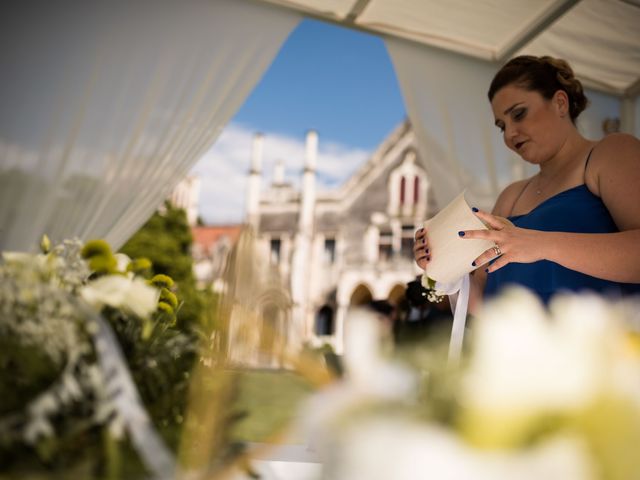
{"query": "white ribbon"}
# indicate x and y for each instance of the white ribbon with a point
(458, 292)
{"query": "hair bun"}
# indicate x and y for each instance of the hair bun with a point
(544, 74)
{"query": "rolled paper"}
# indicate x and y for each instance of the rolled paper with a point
(451, 255)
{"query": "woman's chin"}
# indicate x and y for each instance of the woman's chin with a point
(529, 158)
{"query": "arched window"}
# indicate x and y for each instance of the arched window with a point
(324, 321)
(407, 188)
(361, 295)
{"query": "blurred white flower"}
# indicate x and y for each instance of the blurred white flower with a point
(369, 378)
(548, 394)
(366, 369)
(122, 261)
(117, 291)
(524, 363)
(387, 448)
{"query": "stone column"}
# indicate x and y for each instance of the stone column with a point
(253, 190)
(302, 256)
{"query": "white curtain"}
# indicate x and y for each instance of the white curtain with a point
(445, 95)
(104, 106)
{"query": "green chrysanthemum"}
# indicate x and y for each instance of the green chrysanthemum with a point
(164, 307)
(139, 265)
(95, 248)
(162, 281)
(103, 264)
(169, 297)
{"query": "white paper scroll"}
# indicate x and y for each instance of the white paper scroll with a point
(451, 255)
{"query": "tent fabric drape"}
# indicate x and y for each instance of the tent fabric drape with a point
(105, 106)
(445, 97)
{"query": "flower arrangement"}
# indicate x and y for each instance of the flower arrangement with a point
(551, 394)
(431, 293)
(60, 393)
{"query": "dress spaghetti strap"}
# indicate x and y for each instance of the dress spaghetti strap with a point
(586, 164)
(513, 205)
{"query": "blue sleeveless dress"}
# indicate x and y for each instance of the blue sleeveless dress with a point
(575, 210)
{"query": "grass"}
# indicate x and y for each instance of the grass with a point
(270, 399)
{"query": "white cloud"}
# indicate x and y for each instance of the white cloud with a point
(223, 169)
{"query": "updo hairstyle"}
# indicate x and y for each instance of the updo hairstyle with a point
(545, 75)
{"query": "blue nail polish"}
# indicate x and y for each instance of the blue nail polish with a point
(426, 250)
(428, 259)
(461, 234)
(474, 209)
(486, 270)
(473, 264)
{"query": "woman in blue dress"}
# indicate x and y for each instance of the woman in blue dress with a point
(574, 225)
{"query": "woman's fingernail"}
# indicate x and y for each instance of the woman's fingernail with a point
(461, 234)
(473, 264)
(486, 270)
(474, 209)
(426, 250)
(424, 241)
(428, 259)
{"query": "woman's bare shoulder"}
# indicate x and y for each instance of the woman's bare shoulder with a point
(616, 155)
(616, 146)
(615, 177)
(508, 196)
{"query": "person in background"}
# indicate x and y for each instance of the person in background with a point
(575, 224)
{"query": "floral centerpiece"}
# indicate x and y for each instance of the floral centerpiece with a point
(540, 393)
(88, 347)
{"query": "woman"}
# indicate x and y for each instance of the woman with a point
(575, 225)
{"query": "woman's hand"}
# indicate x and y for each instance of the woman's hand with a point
(513, 244)
(421, 249)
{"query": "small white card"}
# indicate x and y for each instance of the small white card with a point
(451, 255)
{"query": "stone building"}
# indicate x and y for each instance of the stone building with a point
(345, 247)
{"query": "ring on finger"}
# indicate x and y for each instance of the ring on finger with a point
(496, 250)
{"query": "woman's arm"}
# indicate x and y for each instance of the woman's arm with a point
(614, 175)
(502, 208)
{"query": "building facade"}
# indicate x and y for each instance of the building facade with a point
(338, 249)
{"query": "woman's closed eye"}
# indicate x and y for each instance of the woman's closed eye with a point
(518, 114)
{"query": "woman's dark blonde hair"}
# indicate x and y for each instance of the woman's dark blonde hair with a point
(545, 75)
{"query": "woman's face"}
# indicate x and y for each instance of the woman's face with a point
(532, 126)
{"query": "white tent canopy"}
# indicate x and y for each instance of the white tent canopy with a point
(104, 109)
(600, 38)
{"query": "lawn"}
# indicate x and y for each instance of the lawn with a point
(270, 399)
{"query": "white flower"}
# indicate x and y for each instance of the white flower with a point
(132, 295)
(369, 378)
(524, 363)
(122, 261)
(387, 448)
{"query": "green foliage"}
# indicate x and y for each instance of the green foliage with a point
(166, 241)
(54, 415)
(161, 365)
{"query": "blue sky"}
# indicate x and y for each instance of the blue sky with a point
(337, 81)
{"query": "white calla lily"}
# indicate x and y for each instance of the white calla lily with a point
(130, 294)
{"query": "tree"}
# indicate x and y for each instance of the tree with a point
(166, 240)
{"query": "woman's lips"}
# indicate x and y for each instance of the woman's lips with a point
(519, 145)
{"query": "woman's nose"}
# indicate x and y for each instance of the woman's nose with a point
(510, 132)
